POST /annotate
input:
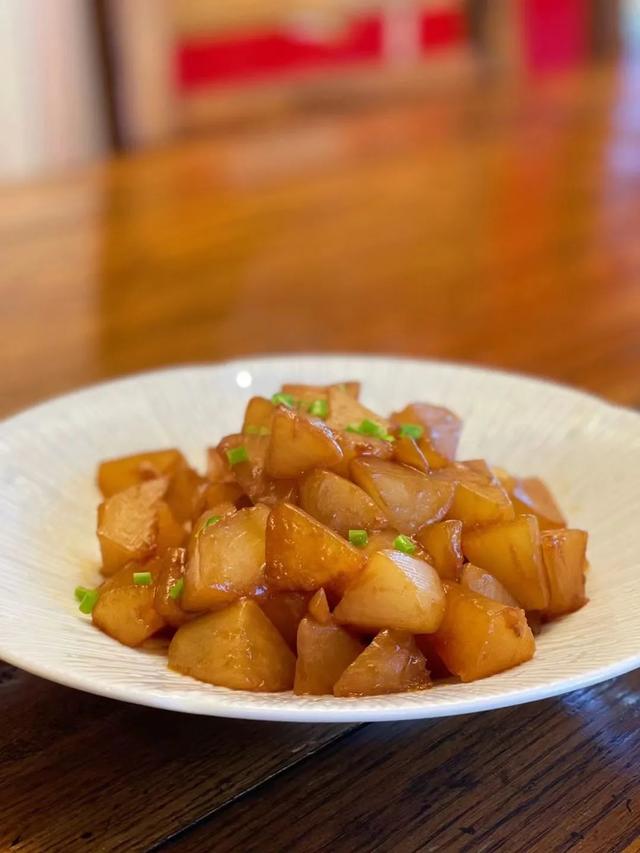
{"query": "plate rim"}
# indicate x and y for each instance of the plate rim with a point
(354, 710)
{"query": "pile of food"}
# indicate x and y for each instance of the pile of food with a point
(331, 550)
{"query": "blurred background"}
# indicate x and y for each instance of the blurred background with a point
(185, 181)
(82, 78)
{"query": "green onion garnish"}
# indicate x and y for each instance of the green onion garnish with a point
(257, 430)
(89, 600)
(368, 427)
(80, 592)
(405, 544)
(359, 538)
(281, 399)
(213, 520)
(319, 408)
(412, 430)
(176, 590)
(237, 454)
(142, 578)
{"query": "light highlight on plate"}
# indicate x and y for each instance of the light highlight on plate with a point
(244, 379)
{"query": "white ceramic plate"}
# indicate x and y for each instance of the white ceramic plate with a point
(587, 450)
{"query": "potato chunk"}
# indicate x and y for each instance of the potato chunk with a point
(344, 410)
(319, 607)
(170, 533)
(171, 570)
(442, 543)
(408, 498)
(391, 663)
(227, 560)
(530, 495)
(298, 444)
(251, 475)
(511, 553)
(479, 637)
(186, 495)
(477, 580)
(116, 475)
(394, 590)
(564, 557)
(237, 647)
(339, 503)
(407, 451)
(125, 610)
(285, 609)
(303, 554)
(258, 416)
(354, 445)
(128, 524)
(442, 430)
(477, 499)
(324, 652)
(307, 394)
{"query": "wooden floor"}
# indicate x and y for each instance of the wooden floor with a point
(498, 223)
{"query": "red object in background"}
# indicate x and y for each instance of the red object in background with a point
(554, 33)
(212, 61)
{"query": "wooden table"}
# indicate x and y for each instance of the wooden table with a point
(496, 224)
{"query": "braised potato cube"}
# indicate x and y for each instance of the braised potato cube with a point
(479, 637)
(408, 498)
(435, 665)
(125, 610)
(170, 533)
(345, 410)
(442, 543)
(324, 652)
(481, 582)
(227, 561)
(392, 663)
(476, 500)
(564, 557)
(250, 474)
(354, 445)
(304, 554)
(285, 609)
(319, 607)
(116, 475)
(511, 552)
(217, 467)
(394, 590)
(225, 493)
(307, 394)
(339, 503)
(297, 444)
(531, 496)
(407, 451)
(167, 596)
(258, 416)
(128, 524)
(186, 494)
(442, 427)
(237, 647)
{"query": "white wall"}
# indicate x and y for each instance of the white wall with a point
(51, 107)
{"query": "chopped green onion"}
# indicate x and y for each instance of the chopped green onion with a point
(176, 590)
(89, 600)
(371, 428)
(237, 454)
(359, 538)
(257, 430)
(412, 430)
(80, 592)
(319, 408)
(405, 544)
(213, 520)
(142, 578)
(281, 399)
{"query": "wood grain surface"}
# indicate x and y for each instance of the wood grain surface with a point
(496, 223)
